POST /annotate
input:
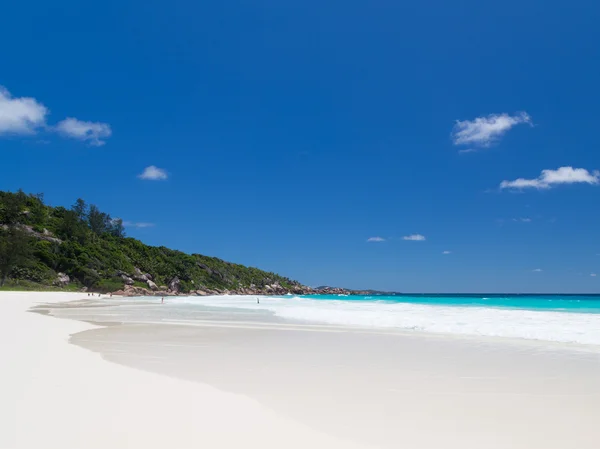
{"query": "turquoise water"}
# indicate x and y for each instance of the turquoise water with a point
(555, 303)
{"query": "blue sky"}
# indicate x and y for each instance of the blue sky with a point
(285, 135)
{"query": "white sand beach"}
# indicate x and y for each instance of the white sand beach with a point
(58, 395)
(230, 380)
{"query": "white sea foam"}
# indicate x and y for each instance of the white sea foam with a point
(567, 327)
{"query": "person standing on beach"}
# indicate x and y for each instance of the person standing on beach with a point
(257, 300)
(162, 300)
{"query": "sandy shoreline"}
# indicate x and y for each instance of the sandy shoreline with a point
(57, 395)
(281, 386)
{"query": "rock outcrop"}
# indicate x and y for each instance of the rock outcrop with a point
(44, 235)
(127, 279)
(174, 288)
(61, 280)
(139, 276)
(268, 290)
(331, 291)
(175, 285)
(204, 267)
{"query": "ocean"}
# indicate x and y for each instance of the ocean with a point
(556, 318)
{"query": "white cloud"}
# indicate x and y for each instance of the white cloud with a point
(468, 150)
(551, 178)
(446, 252)
(23, 115)
(375, 239)
(414, 237)
(522, 220)
(93, 132)
(537, 270)
(593, 275)
(484, 131)
(129, 224)
(153, 173)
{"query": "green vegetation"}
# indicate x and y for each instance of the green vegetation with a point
(14, 250)
(37, 242)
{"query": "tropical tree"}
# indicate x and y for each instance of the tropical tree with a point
(80, 209)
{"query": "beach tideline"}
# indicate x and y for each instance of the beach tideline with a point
(229, 378)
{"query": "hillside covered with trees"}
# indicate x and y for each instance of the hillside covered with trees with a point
(82, 247)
